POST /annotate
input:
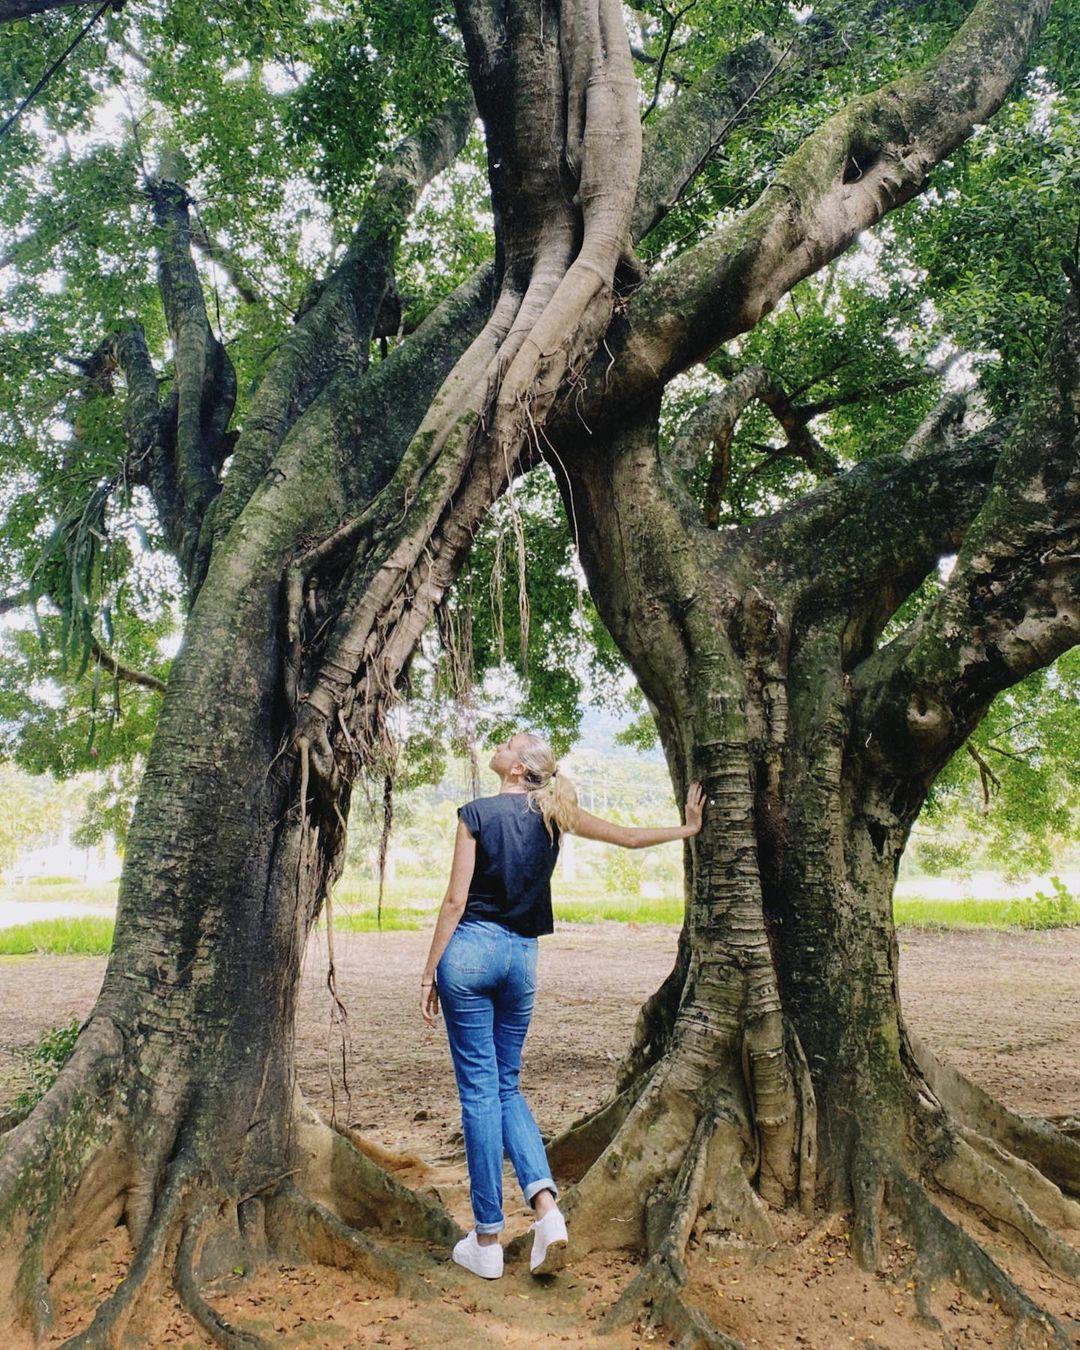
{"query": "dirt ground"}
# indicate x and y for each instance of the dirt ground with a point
(1004, 1008)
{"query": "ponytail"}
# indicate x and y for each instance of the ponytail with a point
(549, 789)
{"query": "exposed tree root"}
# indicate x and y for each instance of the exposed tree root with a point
(1046, 1199)
(221, 1331)
(1052, 1152)
(187, 1226)
(608, 1205)
(12, 1117)
(945, 1251)
(804, 1092)
(642, 1188)
(107, 1328)
(729, 1202)
(653, 1299)
(971, 1177)
(298, 1227)
(573, 1152)
(710, 1191)
(346, 1182)
(868, 1193)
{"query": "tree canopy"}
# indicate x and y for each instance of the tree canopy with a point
(280, 117)
(785, 305)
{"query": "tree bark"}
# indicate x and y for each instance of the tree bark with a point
(350, 504)
(774, 1067)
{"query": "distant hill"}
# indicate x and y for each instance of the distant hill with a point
(598, 728)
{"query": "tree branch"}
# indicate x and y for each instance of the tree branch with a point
(150, 432)
(939, 425)
(678, 142)
(683, 137)
(712, 428)
(673, 23)
(333, 330)
(886, 520)
(1012, 602)
(122, 672)
(12, 10)
(220, 253)
(16, 600)
(871, 157)
(205, 382)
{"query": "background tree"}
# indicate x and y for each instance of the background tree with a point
(318, 485)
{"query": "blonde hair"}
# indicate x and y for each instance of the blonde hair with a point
(547, 787)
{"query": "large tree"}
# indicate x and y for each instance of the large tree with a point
(319, 511)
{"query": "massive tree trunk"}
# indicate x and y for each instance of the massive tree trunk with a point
(774, 1064)
(316, 562)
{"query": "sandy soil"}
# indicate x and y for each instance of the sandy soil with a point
(1005, 1008)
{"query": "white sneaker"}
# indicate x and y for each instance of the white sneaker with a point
(486, 1261)
(549, 1243)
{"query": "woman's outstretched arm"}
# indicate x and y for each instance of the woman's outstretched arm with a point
(641, 836)
(453, 906)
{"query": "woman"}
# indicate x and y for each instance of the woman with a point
(482, 964)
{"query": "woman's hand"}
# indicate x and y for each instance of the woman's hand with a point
(429, 1003)
(695, 803)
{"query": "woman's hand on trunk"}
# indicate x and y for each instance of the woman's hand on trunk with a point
(695, 803)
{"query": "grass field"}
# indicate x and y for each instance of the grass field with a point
(89, 936)
(409, 905)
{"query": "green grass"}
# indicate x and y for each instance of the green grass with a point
(1004, 915)
(599, 908)
(90, 936)
(393, 920)
(1042, 911)
(917, 913)
(71, 892)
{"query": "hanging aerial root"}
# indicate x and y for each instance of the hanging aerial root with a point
(945, 1251)
(971, 1177)
(297, 1227)
(221, 1331)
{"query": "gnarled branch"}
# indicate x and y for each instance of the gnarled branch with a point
(869, 158)
(1012, 602)
(334, 328)
(886, 520)
(205, 383)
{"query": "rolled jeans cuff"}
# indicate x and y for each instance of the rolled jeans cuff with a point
(490, 1227)
(544, 1184)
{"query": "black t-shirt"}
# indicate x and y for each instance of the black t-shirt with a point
(511, 881)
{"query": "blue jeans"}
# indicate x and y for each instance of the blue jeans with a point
(487, 984)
